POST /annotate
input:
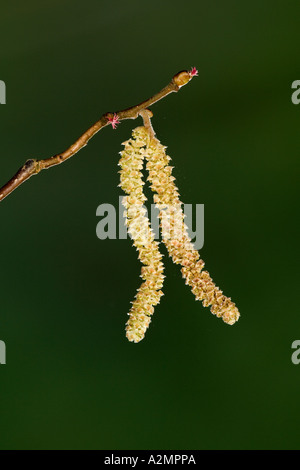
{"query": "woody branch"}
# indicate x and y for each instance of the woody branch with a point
(33, 166)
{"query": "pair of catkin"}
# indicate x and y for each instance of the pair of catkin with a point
(143, 145)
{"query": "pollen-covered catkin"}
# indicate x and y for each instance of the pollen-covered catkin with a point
(175, 235)
(139, 228)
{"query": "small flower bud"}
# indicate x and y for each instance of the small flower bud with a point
(181, 78)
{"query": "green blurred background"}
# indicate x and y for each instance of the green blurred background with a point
(72, 380)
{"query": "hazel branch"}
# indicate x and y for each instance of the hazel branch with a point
(33, 166)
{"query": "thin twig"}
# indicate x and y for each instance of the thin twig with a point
(33, 166)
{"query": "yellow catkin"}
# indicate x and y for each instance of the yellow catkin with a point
(175, 235)
(138, 226)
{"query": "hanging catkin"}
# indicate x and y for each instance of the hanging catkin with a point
(175, 235)
(138, 226)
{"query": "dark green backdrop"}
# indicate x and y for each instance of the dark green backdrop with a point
(72, 380)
